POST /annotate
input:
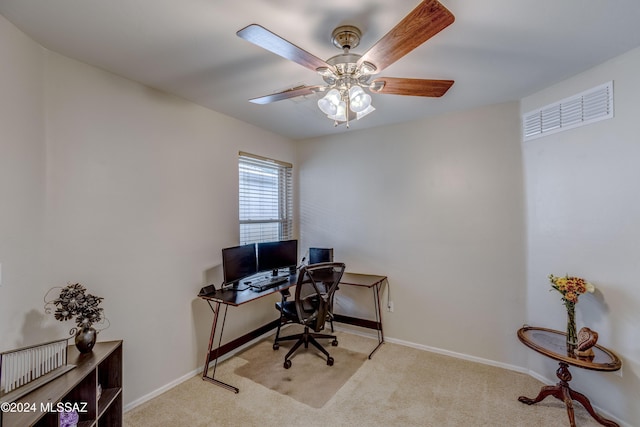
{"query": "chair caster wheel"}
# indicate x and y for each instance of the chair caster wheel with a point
(334, 343)
(287, 364)
(330, 361)
(276, 346)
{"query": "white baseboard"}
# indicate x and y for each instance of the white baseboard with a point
(463, 356)
(157, 392)
(537, 376)
(435, 350)
(198, 371)
(460, 355)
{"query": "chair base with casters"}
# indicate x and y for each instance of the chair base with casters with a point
(314, 292)
(306, 338)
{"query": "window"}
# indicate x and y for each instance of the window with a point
(266, 202)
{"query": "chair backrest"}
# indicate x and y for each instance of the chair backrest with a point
(314, 292)
(318, 255)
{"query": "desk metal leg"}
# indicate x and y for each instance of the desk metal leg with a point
(376, 302)
(366, 323)
(216, 312)
(562, 391)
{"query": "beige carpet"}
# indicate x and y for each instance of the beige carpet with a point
(399, 386)
(309, 380)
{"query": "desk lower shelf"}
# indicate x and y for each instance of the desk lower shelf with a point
(355, 321)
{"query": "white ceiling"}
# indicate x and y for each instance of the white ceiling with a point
(496, 50)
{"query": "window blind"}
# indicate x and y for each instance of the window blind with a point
(266, 199)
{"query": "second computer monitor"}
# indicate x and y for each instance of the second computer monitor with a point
(318, 255)
(239, 262)
(275, 255)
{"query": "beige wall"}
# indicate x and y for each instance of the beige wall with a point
(140, 197)
(437, 206)
(583, 211)
(22, 188)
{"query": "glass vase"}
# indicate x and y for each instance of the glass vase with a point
(572, 336)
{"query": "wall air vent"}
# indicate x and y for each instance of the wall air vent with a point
(587, 107)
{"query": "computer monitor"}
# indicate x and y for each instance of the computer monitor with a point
(275, 255)
(239, 262)
(318, 255)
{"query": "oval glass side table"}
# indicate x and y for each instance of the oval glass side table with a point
(553, 344)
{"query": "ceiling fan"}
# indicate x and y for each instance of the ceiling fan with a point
(347, 75)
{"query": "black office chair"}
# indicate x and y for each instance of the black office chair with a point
(314, 291)
(316, 256)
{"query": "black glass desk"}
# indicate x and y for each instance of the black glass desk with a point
(233, 297)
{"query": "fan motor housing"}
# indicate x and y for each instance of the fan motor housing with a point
(346, 37)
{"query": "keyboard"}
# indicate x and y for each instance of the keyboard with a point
(263, 283)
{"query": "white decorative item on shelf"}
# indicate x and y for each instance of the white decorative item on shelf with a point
(25, 369)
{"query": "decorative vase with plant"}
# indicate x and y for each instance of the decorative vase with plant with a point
(74, 301)
(571, 288)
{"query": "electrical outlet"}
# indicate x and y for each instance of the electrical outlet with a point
(390, 306)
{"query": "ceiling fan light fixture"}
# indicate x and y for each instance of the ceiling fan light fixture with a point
(367, 68)
(334, 96)
(377, 85)
(324, 71)
(327, 75)
(361, 114)
(347, 74)
(327, 107)
(341, 112)
(358, 99)
(355, 91)
(330, 102)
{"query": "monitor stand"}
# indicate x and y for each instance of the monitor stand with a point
(275, 272)
(236, 286)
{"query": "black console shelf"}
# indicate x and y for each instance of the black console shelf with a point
(77, 388)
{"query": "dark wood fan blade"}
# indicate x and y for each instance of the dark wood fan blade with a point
(286, 94)
(264, 38)
(412, 87)
(424, 22)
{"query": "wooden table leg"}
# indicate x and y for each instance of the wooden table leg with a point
(587, 405)
(562, 391)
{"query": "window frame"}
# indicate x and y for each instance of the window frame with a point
(264, 202)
